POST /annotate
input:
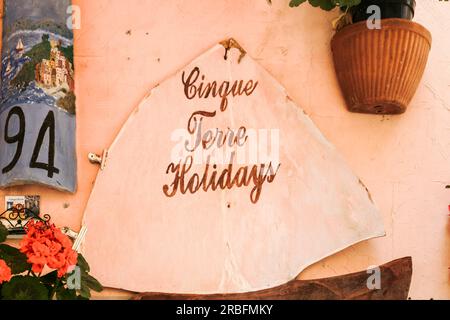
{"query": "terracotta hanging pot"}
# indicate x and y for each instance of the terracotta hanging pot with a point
(379, 70)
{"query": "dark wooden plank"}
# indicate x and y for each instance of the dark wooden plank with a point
(395, 283)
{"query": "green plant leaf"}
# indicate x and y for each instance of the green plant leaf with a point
(348, 3)
(3, 232)
(50, 278)
(15, 259)
(85, 292)
(82, 263)
(323, 4)
(87, 281)
(91, 282)
(296, 3)
(24, 288)
(66, 294)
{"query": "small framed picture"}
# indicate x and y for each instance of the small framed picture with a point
(31, 203)
(18, 211)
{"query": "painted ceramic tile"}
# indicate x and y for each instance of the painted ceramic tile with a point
(37, 110)
(230, 187)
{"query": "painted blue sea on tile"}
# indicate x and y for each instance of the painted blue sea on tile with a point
(37, 102)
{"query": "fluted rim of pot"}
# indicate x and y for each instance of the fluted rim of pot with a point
(390, 24)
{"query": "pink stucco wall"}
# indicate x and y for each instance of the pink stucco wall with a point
(124, 49)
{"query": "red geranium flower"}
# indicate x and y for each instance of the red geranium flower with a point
(44, 244)
(5, 272)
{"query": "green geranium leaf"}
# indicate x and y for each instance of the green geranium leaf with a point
(50, 278)
(348, 3)
(24, 288)
(323, 4)
(15, 259)
(85, 292)
(91, 282)
(66, 294)
(296, 3)
(82, 263)
(3, 233)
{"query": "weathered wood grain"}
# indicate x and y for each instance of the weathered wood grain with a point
(395, 283)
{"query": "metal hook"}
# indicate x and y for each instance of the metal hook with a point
(230, 43)
(96, 159)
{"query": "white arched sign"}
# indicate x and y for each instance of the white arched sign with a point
(219, 183)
